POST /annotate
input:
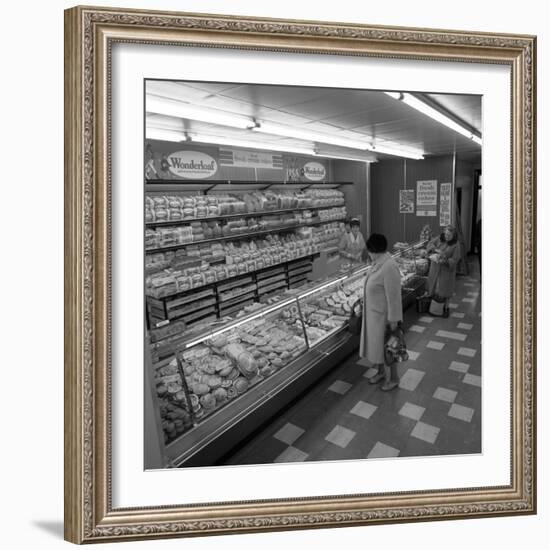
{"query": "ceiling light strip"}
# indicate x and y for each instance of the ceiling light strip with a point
(434, 114)
(174, 108)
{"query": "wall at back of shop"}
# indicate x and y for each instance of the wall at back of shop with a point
(388, 177)
(356, 195)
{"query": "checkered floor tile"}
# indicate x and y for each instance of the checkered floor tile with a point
(435, 410)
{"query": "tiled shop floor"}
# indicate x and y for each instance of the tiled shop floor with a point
(435, 411)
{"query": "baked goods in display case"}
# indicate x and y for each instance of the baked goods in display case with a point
(412, 260)
(224, 365)
(328, 310)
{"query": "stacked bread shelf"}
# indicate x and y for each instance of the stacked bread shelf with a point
(193, 304)
(258, 285)
(298, 272)
(239, 236)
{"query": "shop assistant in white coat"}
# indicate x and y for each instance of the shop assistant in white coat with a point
(352, 244)
(382, 306)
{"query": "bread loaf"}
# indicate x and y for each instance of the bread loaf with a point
(241, 385)
(220, 394)
(247, 365)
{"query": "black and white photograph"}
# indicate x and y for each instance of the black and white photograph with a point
(312, 274)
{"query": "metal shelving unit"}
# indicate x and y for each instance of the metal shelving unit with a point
(239, 236)
(168, 223)
(160, 185)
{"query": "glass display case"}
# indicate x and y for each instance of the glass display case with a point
(326, 309)
(235, 364)
(214, 368)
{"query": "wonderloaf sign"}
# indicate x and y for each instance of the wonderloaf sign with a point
(314, 171)
(192, 164)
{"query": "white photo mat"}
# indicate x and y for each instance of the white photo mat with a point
(134, 487)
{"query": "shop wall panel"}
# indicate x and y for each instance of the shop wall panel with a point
(356, 194)
(465, 180)
(387, 178)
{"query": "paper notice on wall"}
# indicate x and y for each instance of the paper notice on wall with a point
(445, 204)
(406, 201)
(426, 198)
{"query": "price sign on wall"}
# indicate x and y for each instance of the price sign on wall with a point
(445, 204)
(426, 198)
(406, 201)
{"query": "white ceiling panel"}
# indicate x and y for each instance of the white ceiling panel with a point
(354, 114)
(209, 87)
(465, 107)
(275, 97)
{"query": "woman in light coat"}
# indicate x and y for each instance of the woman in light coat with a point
(444, 255)
(382, 306)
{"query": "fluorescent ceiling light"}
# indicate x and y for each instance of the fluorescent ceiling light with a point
(406, 153)
(164, 134)
(174, 108)
(436, 115)
(342, 156)
(180, 136)
(395, 95)
(316, 137)
(251, 144)
(287, 131)
(476, 139)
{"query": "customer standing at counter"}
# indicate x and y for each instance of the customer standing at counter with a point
(382, 306)
(352, 244)
(444, 257)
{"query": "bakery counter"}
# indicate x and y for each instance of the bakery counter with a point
(208, 442)
(222, 382)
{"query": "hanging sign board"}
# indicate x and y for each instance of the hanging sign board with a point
(406, 201)
(314, 171)
(426, 198)
(250, 159)
(445, 204)
(191, 164)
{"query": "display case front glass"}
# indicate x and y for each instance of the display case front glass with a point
(219, 366)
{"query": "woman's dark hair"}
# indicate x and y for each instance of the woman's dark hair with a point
(377, 243)
(454, 240)
(354, 222)
(347, 221)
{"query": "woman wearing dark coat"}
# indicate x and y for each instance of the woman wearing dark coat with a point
(382, 307)
(444, 254)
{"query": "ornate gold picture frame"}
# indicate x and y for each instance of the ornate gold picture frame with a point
(90, 34)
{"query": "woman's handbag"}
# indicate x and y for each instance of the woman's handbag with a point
(395, 348)
(437, 307)
(356, 318)
(423, 304)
